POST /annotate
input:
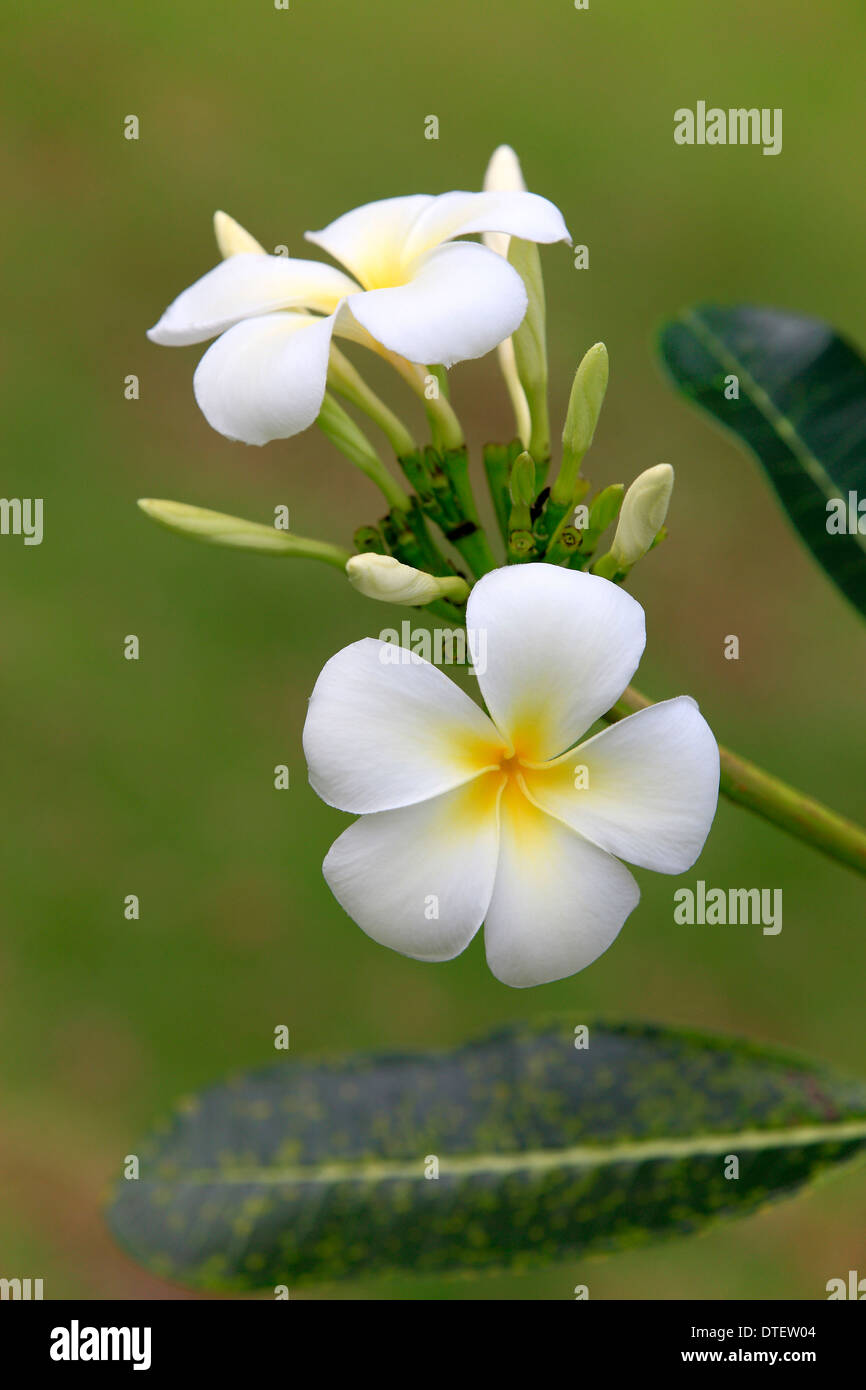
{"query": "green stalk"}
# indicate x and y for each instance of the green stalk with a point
(446, 428)
(800, 815)
(577, 547)
(368, 541)
(403, 542)
(498, 459)
(554, 515)
(342, 431)
(434, 561)
(521, 487)
(441, 480)
(346, 380)
(472, 543)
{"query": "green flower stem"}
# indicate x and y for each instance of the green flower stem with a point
(342, 431)
(472, 543)
(453, 613)
(576, 547)
(441, 481)
(608, 567)
(521, 542)
(433, 559)
(454, 463)
(346, 380)
(565, 546)
(554, 515)
(450, 614)
(498, 459)
(800, 815)
(567, 478)
(446, 428)
(475, 549)
(368, 541)
(412, 544)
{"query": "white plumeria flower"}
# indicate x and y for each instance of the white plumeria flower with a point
(412, 290)
(469, 818)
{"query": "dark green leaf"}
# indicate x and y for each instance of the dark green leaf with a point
(317, 1171)
(801, 410)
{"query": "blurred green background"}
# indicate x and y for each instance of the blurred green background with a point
(156, 777)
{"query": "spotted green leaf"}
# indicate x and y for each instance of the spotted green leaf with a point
(544, 1150)
(800, 407)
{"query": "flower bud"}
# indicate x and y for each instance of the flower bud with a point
(386, 578)
(232, 239)
(503, 175)
(530, 346)
(522, 480)
(587, 396)
(216, 528)
(605, 508)
(584, 407)
(643, 513)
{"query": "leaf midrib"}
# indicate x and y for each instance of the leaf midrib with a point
(535, 1160)
(765, 405)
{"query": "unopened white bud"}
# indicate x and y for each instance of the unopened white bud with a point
(503, 175)
(643, 513)
(386, 578)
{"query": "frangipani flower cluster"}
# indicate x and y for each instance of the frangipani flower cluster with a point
(412, 289)
(501, 818)
(506, 818)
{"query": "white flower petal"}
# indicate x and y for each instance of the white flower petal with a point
(265, 378)
(232, 239)
(370, 240)
(244, 286)
(649, 791)
(461, 302)
(562, 646)
(451, 215)
(386, 729)
(419, 879)
(558, 901)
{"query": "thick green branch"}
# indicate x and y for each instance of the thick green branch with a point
(748, 785)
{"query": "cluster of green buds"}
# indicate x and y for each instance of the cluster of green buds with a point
(430, 545)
